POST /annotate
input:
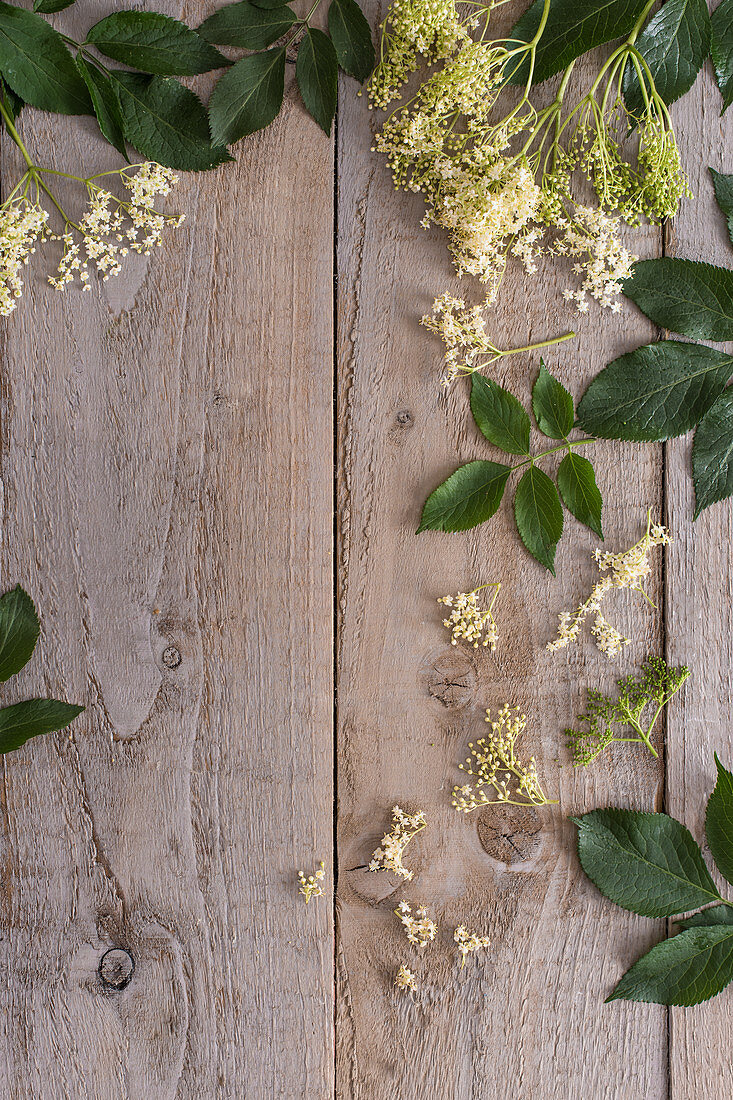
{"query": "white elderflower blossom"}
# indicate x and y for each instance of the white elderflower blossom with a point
(625, 570)
(419, 928)
(500, 776)
(22, 224)
(468, 942)
(311, 886)
(405, 980)
(388, 857)
(467, 622)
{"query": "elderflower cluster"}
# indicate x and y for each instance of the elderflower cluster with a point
(499, 775)
(405, 980)
(591, 237)
(419, 928)
(468, 942)
(312, 885)
(468, 622)
(22, 224)
(624, 570)
(388, 857)
(428, 28)
(463, 332)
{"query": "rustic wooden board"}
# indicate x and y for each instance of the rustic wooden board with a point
(527, 1019)
(167, 482)
(698, 601)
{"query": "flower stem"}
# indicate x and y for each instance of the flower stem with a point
(10, 127)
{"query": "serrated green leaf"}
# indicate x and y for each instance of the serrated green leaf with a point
(19, 630)
(50, 7)
(244, 24)
(316, 71)
(154, 43)
(552, 405)
(166, 122)
(647, 863)
(36, 64)
(721, 23)
(269, 3)
(469, 496)
(352, 38)
(712, 454)
(674, 45)
(499, 416)
(655, 392)
(707, 918)
(723, 186)
(576, 481)
(685, 296)
(538, 512)
(248, 97)
(105, 103)
(719, 822)
(22, 721)
(573, 27)
(684, 970)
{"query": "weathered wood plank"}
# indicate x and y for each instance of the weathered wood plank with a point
(167, 480)
(528, 1019)
(698, 602)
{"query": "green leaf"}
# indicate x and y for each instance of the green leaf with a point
(712, 454)
(724, 197)
(576, 481)
(674, 45)
(719, 822)
(685, 296)
(573, 27)
(316, 71)
(721, 23)
(499, 416)
(29, 719)
(684, 970)
(655, 392)
(245, 25)
(166, 122)
(36, 64)
(154, 43)
(105, 103)
(269, 3)
(647, 863)
(538, 512)
(19, 630)
(50, 7)
(706, 918)
(12, 103)
(248, 97)
(352, 38)
(469, 496)
(552, 405)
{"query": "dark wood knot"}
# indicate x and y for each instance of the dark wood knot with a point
(404, 418)
(452, 679)
(116, 968)
(171, 657)
(510, 834)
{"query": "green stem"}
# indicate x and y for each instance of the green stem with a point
(533, 347)
(566, 446)
(10, 127)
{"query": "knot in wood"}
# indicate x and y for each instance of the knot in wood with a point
(116, 968)
(452, 679)
(171, 657)
(404, 418)
(510, 834)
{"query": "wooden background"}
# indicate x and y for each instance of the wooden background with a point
(212, 473)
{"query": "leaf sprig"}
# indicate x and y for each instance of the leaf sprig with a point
(662, 390)
(650, 864)
(19, 630)
(473, 493)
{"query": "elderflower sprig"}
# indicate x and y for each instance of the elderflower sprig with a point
(388, 857)
(626, 569)
(419, 928)
(111, 227)
(468, 942)
(607, 718)
(467, 622)
(405, 980)
(311, 886)
(500, 776)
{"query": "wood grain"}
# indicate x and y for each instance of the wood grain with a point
(167, 485)
(527, 1019)
(698, 588)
